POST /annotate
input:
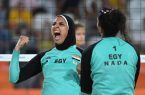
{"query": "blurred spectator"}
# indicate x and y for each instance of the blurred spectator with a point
(91, 6)
(80, 34)
(19, 15)
(5, 40)
(59, 4)
(3, 14)
(5, 36)
(41, 30)
(38, 10)
(5, 3)
(119, 4)
(68, 7)
(29, 4)
(91, 9)
(49, 5)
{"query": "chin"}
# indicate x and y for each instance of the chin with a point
(58, 42)
(82, 43)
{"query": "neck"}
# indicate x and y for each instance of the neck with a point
(63, 46)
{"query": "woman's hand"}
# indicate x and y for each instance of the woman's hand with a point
(23, 40)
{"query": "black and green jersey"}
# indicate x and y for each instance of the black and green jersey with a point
(58, 67)
(109, 67)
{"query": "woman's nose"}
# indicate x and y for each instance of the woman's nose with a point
(56, 25)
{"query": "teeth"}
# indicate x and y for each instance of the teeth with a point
(57, 35)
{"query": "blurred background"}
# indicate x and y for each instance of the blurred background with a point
(34, 18)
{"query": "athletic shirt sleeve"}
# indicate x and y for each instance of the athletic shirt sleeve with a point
(86, 81)
(137, 69)
(138, 63)
(31, 68)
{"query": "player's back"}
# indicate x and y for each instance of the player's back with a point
(113, 66)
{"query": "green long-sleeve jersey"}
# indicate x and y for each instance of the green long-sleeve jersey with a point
(58, 67)
(109, 67)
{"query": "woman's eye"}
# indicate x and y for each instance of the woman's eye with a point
(61, 24)
(54, 23)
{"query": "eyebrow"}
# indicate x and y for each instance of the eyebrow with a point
(59, 22)
(65, 20)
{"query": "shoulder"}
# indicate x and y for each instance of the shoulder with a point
(131, 46)
(41, 54)
(79, 49)
(91, 47)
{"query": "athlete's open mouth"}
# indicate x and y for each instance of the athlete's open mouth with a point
(57, 36)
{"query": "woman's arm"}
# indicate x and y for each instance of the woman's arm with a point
(31, 68)
(14, 67)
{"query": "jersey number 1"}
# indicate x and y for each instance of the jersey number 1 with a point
(114, 47)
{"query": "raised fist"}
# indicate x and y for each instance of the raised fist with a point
(23, 40)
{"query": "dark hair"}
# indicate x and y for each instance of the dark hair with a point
(112, 21)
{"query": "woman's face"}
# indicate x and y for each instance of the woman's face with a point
(59, 30)
(80, 36)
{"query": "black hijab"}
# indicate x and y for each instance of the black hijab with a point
(70, 39)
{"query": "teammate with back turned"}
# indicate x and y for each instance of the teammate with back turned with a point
(110, 66)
